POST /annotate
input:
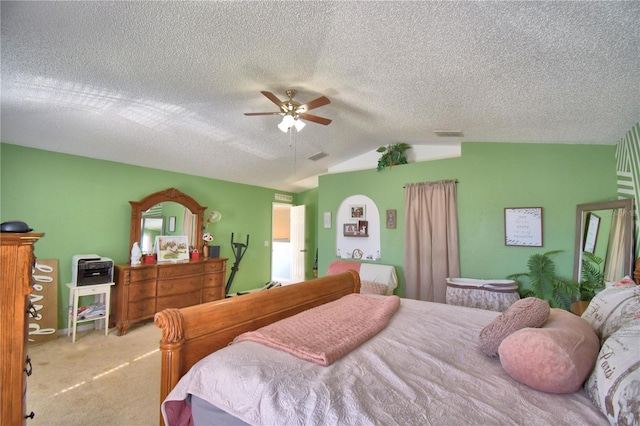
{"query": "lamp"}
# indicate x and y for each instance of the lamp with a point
(289, 121)
(299, 124)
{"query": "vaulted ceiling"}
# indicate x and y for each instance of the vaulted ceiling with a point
(166, 84)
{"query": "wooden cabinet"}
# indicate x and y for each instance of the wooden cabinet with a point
(16, 268)
(143, 290)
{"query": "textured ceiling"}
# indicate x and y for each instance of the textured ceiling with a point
(165, 84)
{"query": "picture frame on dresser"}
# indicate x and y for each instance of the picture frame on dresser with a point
(172, 248)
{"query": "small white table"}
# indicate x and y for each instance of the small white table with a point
(102, 293)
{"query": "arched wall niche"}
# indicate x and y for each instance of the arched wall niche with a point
(368, 242)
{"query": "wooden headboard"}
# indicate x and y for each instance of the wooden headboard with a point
(190, 334)
(636, 272)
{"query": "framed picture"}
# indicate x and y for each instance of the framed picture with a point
(172, 248)
(363, 227)
(357, 212)
(523, 226)
(391, 219)
(172, 224)
(349, 229)
(591, 233)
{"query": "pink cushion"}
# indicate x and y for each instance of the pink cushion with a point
(528, 312)
(556, 358)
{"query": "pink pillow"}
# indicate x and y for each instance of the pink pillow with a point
(527, 312)
(556, 358)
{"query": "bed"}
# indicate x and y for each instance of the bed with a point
(425, 367)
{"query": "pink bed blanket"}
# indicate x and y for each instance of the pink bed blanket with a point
(328, 332)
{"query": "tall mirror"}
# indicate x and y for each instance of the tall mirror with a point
(152, 215)
(605, 230)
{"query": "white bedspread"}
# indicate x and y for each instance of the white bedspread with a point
(425, 368)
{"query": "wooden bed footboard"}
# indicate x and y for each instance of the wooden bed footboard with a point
(190, 334)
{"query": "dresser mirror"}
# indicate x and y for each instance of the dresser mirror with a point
(145, 217)
(605, 229)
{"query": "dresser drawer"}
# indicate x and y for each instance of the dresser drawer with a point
(142, 309)
(142, 290)
(213, 280)
(178, 301)
(143, 274)
(214, 266)
(209, 294)
(173, 270)
(179, 285)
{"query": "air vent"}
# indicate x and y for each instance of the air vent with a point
(283, 197)
(448, 133)
(319, 155)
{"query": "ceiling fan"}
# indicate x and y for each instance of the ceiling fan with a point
(293, 112)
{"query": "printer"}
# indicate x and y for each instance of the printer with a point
(91, 269)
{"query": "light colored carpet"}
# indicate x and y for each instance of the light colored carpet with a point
(99, 380)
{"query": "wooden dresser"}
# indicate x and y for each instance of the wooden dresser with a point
(143, 290)
(16, 268)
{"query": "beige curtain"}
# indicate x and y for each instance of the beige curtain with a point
(189, 223)
(430, 239)
(615, 252)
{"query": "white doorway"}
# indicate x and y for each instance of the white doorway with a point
(288, 252)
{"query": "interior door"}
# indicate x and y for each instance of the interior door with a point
(298, 249)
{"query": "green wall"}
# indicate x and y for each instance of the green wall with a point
(491, 176)
(82, 206)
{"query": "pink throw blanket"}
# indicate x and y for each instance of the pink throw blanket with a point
(328, 332)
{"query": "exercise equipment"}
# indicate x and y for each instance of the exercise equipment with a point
(239, 249)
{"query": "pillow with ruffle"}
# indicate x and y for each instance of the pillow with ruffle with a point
(612, 308)
(527, 312)
(614, 384)
(555, 358)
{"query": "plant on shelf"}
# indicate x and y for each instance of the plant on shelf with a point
(591, 276)
(545, 284)
(393, 155)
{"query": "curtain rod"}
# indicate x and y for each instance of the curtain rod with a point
(456, 181)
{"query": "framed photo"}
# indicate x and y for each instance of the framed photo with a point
(591, 233)
(391, 219)
(357, 212)
(349, 229)
(363, 227)
(172, 248)
(523, 226)
(172, 224)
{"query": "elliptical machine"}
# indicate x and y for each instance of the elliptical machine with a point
(239, 250)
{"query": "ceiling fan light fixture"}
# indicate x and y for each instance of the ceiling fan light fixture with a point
(287, 122)
(299, 124)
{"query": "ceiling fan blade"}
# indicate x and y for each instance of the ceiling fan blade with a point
(262, 113)
(315, 118)
(273, 98)
(322, 100)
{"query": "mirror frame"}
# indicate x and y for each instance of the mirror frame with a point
(170, 194)
(627, 205)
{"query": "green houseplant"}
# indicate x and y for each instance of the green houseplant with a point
(591, 276)
(393, 155)
(545, 284)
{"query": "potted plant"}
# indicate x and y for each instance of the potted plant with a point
(393, 155)
(544, 284)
